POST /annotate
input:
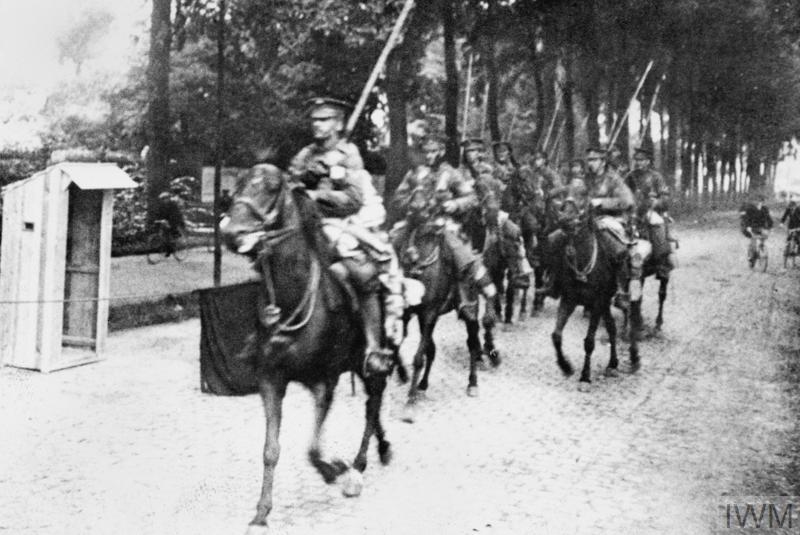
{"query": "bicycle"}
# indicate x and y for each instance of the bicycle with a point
(757, 253)
(163, 242)
(792, 248)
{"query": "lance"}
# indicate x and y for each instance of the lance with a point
(394, 37)
(552, 125)
(465, 122)
(511, 125)
(616, 133)
(652, 107)
(557, 142)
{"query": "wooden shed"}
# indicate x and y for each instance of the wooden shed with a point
(55, 265)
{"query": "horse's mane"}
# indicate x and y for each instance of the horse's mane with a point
(310, 222)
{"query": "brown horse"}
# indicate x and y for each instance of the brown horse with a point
(591, 281)
(307, 331)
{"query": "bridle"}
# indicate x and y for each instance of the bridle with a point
(269, 314)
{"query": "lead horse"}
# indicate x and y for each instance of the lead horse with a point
(307, 333)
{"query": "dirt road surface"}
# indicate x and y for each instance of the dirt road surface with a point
(131, 446)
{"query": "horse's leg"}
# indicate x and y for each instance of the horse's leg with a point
(474, 346)
(662, 296)
(488, 344)
(354, 481)
(323, 397)
(588, 348)
(384, 447)
(430, 350)
(565, 309)
(611, 329)
(636, 331)
(427, 321)
(523, 303)
(272, 392)
(510, 292)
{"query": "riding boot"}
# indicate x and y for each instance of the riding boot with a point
(622, 299)
(377, 361)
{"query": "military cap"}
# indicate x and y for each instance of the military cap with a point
(498, 144)
(643, 152)
(324, 107)
(596, 150)
(433, 139)
(473, 144)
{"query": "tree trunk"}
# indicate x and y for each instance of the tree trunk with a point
(451, 82)
(494, 80)
(541, 105)
(158, 113)
(397, 163)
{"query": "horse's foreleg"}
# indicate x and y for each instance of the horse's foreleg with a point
(565, 309)
(427, 320)
(430, 351)
(510, 292)
(323, 397)
(375, 387)
(384, 447)
(488, 344)
(662, 296)
(272, 393)
(611, 329)
(523, 303)
(588, 346)
(636, 331)
(474, 346)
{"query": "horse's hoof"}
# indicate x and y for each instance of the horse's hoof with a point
(612, 372)
(481, 365)
(353, 483)
(566, 368)
(584, 386)
(472, 391)
(409, 413)
(494, 358)
(254, 529)
(635, 366)
(385, 452)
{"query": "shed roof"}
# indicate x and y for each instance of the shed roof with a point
(96, 176)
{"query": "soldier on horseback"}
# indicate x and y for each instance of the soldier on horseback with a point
(506, 169)
(333, 173)
(652, 197)
(488, 220)
(610, 198)
(446, 198)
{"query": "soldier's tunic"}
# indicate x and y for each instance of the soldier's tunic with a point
(349, 199)
(434, 186)
(652, 194)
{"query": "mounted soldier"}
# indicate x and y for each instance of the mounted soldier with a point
(488, 222)
(441, 196)
(332, 171)
(652, 204)
(610, 199)
(506, 168)
(616, 161)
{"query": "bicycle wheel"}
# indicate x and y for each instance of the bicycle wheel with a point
(155, 248)
(181, 249)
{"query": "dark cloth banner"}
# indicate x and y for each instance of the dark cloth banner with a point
(228, 316)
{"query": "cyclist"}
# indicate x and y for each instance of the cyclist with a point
(169, 211)
(791, 219)
(756, 223)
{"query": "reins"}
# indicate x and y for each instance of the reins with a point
(270, 314)
(582, 274)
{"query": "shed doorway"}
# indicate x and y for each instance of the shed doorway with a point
(82, 268)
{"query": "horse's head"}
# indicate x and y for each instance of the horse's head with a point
(256, 208)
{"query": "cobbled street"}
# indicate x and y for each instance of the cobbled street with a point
(131, 446)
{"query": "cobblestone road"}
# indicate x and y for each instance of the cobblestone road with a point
(131, 446)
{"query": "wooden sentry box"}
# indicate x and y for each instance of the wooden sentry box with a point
(55, 265)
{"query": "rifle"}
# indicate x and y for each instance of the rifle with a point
(394, 37)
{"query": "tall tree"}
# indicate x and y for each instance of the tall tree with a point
(158, 123)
